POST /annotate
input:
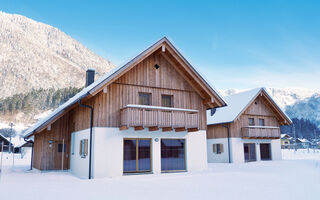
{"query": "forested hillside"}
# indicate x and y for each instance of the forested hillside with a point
(304, 128)
(36, 100)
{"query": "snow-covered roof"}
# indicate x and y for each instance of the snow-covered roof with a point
(17, 141)
(285, 136)
(3, 137)
(236, 105)
(101, 82)
(303, 140)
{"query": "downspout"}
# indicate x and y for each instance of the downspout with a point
(91, 125)
(32, 143)
(228, 134)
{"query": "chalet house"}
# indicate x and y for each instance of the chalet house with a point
(248, 129)
(303, 143)
(147, 116)
(286, 141)
(5, 143)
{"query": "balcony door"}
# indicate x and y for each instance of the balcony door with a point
(249, 152)
(265, 151)
(136, 155)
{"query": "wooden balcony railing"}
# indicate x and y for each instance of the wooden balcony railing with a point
(153, 117)
(261, 132)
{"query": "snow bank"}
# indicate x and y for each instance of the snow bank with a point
(288, 179)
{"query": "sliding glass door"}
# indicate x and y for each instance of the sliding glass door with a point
(249, 152)
(265, 151)
(173, 155)
(137, 155)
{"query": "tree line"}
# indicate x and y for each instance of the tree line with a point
(36, 99)
(304, 128)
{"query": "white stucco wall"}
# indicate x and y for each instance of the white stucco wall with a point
(276, 150)
(213, 157)
(108, 150)
(237, 150)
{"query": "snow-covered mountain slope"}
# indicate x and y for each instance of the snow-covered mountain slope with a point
(308, 108)
(36, 55)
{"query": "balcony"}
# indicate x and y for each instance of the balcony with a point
(154, 118)
(260, 132)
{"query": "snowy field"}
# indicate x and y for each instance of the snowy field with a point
(295, 177)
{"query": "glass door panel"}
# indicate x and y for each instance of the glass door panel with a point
(249, 152)
(137, 155)
(144, 158)
(130, 156)
(265, 151)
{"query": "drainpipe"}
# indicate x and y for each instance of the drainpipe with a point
(228, 133)
(32, 143)
(91, 125)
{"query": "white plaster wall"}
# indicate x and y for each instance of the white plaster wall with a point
(214, 157)
(237, 151)
(276, 150)
(79, 166)
(196, 151)
(108, 150)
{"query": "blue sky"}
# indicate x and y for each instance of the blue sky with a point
(236, 44)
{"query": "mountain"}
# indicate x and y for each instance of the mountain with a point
(308, 108)
(36, 55)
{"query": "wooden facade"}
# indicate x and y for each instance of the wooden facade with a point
(258, 109)
(170, 78)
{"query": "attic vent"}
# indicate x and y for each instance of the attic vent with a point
(212, 111)
(255, 102)
(156, 66)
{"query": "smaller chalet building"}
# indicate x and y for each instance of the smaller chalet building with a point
(5, 143)
(147, 116)
(248, 129)
(286, 141)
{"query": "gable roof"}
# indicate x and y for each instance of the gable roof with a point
(115, 73)
(237, 104)
(4, 138)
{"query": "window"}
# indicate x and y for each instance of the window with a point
(60, 148)
(249, 152)
(83, 148)
(144, 98)
(173, 155)
(261, 122)
(251, 121)
(136, 155)
(217, 148)
(167, 100)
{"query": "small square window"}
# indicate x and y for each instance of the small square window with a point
(83, 148)
(167, 100)
(144, 98)
(261, 122)
(60, 148)
(218, 148)
(251, 121)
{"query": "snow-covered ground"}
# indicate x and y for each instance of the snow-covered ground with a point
(295, 177)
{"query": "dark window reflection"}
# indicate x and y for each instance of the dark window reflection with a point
(129, 164)
(173, 154)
